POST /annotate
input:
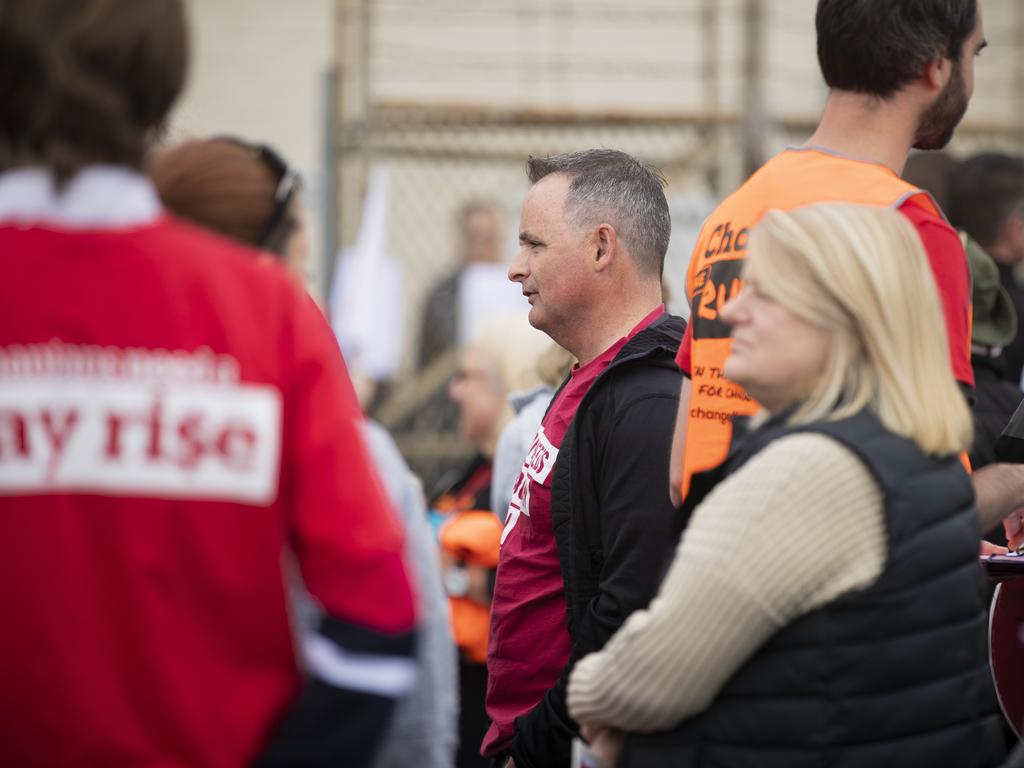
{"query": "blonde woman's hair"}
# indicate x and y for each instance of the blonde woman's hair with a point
(861, 273)
(510, 348)
(554, 365)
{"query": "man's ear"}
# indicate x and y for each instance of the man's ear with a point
(936, 73)
(606, 245)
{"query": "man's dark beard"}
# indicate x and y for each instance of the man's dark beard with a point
(938, 123)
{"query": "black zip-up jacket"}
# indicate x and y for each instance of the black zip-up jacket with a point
(614, 523)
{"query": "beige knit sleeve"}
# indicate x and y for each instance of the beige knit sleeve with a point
(799, 525)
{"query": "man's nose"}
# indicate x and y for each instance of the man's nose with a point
(517, 271)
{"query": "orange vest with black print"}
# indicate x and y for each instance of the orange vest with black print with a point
(793, 179)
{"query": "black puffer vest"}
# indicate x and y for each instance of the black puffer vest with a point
(892, 675)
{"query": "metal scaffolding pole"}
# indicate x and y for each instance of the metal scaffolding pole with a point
(1019, 84)
(352, 132)
(754, 113)
(711, 81)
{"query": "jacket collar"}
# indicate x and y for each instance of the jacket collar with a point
(97, 197)
(663, 335)
(660, 339)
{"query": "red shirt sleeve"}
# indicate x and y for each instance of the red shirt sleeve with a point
(683, 355)
(952, 277)
(346, 535)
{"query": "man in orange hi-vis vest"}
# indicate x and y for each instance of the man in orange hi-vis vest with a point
(896, 83)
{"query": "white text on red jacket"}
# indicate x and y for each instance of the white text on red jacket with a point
(134, 422)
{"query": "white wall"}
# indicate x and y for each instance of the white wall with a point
(258, 69)
(628, 55)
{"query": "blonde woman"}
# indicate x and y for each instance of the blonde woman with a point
(824, 606)
(501, 358)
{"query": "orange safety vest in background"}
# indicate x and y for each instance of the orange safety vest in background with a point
(792, 179)
(473, 538)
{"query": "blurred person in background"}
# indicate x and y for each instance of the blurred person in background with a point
(242, 190)
(471, 291)
(480, 231)
(529, 405)
(993, 323)
(248, 192)
(502, 358)
(590, 524)
(987, 202)
(765, 647)
(994, 326)
(177, 415)
(468, 542)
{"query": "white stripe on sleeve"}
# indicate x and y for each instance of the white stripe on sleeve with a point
(389, 676)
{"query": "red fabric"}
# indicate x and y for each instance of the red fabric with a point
(952, 278)
(683, 355)
(148, 629)
(1006, 649)
(530, 644)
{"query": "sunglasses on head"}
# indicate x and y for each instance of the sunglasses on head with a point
(289, 182)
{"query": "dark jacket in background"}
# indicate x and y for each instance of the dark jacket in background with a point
(439, 328)
(995, 401)
(1013, 353)
(613, 521)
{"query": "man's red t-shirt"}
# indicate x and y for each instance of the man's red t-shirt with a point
(948, 262)
(529, 643)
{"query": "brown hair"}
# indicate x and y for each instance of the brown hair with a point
(223, 185)
(87, 81)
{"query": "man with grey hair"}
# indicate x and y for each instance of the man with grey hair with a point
(590, 521)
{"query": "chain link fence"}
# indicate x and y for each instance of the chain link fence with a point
(439, 161)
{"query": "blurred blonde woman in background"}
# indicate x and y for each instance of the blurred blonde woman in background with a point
(825, 605)
(529, 404)
(501, 359)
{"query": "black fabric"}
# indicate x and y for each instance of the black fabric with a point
(467, 488)
(1013, 354)
(996, 399)
(613, 520)
(359, 639)
(473, 720)
(328, 727)
(895, 674)
(439, 327)
(331, 726)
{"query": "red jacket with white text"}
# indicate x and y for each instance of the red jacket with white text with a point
(177, 428)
